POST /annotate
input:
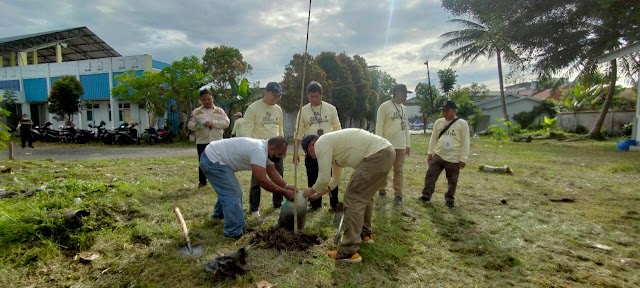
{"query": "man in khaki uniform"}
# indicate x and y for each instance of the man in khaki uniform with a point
(393, 124)
(239, 129)
(448, 151)
(208, 122)
(315, 118)
(372, 157)
(263, 120)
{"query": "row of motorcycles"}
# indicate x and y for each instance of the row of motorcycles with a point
(124, 134)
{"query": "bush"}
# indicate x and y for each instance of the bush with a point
(581, 130)
(627, 129)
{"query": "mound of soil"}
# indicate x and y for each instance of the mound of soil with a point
(281, 239)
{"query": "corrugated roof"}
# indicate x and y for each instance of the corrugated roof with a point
(82, 44)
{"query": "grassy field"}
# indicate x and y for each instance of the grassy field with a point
(527, 240)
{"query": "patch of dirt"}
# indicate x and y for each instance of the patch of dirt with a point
(281, 239)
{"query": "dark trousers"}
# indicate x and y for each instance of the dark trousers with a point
(312, 175)
(436, 165)
(26, 137)
(201, 177)
(254, 191)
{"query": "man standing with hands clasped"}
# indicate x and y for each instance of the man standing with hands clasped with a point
(393, 124)
(208, 122)
(448, 150)
(263, 120)
(316, 118)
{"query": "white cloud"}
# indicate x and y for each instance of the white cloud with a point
(395, 34)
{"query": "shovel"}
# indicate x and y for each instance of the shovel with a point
(187, 251)
(338, 218)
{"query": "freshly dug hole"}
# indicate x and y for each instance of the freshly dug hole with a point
(281, 239)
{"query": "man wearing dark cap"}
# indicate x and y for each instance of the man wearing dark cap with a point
(372, 157)
(448, 150)
(263, 120)
(393, 124)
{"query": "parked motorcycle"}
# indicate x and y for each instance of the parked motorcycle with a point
(152, 135)
(127, 134)
(102, 134)
(46, 134)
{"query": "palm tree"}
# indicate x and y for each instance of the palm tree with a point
(482, 38)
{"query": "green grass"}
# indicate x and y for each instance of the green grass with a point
(528, 242)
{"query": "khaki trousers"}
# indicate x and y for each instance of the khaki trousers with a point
(398, 169)
(358, 198)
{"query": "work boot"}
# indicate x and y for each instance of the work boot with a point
(450, 205)
(398, 200)
(424, 199)
(338, 256)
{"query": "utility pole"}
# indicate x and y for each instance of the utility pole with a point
(375, 68)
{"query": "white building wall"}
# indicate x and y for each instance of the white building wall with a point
(77, 68)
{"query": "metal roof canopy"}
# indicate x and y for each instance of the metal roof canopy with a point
(82, 44)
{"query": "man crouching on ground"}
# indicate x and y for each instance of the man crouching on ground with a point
(222, 158)
(372, 157)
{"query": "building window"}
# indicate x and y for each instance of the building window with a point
(124, 112)
(90, 109)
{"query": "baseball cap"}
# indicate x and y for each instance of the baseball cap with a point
(401, 88)
(306, 141)
(448, 104)
(274, 87)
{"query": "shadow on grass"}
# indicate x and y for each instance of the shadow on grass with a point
(383, 260)
(476, 249)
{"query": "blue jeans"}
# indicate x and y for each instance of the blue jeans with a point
(229, 202)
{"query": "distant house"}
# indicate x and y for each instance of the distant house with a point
(550, 93)
(413, 108)
(416, 124)
(492, 108)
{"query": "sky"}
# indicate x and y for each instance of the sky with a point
(397, 35)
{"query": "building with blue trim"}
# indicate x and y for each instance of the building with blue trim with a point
(30, 64)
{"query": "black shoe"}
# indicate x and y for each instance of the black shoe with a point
(200, 185)
(450, 205)
(31, 146)
(277, 206)
(221, 217)
(234, 237)
(313, 208)
(382, 193)
(334, 207)
(398, 200)
(424, 199)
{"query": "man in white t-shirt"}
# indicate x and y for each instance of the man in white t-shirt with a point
(222, 158)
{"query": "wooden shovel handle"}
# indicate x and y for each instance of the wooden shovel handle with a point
(182, 224)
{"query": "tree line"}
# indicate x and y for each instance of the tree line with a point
(547, 37)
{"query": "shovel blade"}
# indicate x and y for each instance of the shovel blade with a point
(194, 251)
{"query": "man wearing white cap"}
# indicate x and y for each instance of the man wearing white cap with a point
(239, 126)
